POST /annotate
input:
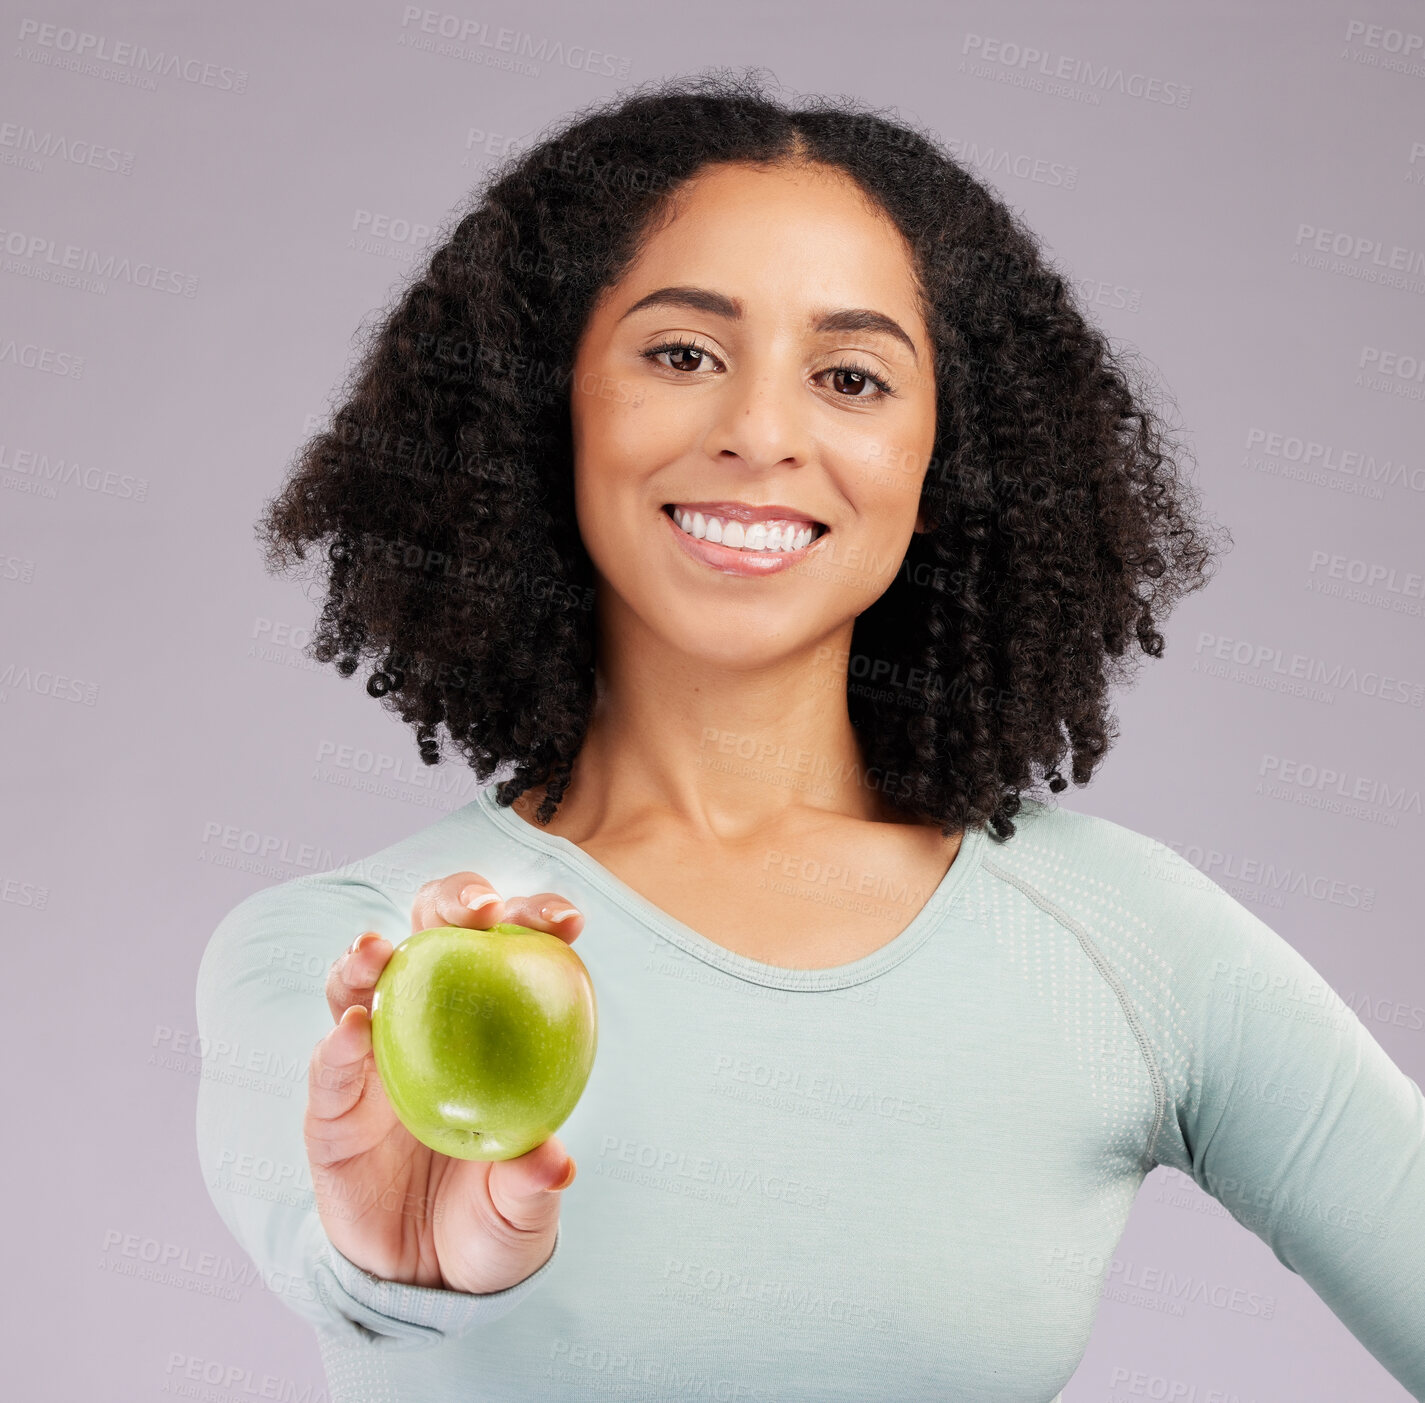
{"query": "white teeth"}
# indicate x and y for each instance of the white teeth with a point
(758, 536)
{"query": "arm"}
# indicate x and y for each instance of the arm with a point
(261, 1010)
(1294, 1118)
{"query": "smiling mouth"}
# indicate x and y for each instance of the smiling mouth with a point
(773, 536)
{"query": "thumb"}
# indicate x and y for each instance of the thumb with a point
(525, 1188)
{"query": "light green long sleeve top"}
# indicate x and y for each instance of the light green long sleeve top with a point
(903, 1177)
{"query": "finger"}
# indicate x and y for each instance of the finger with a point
(337, 1073)
(522, 1188)
(352, 977)
(548, 911)
(462, 899)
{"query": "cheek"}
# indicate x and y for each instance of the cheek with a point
(882, 476)
(885, 452)
(618, 445)
(884, 473)
(619, 442)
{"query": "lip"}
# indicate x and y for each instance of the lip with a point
(741, 511)
(731, 561)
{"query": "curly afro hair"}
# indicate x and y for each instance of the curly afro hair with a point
(1061, 531)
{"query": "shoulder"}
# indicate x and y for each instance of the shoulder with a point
(1062, 850)
(1181, 948)
(1171, 935)
(1201, 978)
(1111, 889)
(378, 888)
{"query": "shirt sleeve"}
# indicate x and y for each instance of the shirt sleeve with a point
(1282, 1105)
(261, 1009)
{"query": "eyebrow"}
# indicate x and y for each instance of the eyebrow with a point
(701, 299)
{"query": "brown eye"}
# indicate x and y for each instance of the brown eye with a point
(851, 381)
(696, 356)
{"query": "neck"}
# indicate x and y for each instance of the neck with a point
(721, 751)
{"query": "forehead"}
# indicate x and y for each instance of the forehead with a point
(797, 236)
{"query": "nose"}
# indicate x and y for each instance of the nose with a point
(760, 415)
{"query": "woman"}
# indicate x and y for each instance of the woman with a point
(742, 482)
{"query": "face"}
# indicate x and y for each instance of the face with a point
(761, 375)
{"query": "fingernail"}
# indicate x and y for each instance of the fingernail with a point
(563, 913)
(564, 1183)
(346, 1016)
(355, 945)
(478, 900)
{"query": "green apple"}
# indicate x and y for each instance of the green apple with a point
(484, 1039)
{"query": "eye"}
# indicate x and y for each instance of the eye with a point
(693, 355)
(855, 380)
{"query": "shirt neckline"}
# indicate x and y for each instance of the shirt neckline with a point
(898, 948)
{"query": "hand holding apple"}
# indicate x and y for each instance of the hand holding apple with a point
(388, 1202)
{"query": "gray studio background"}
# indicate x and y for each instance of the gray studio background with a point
(1245, 209)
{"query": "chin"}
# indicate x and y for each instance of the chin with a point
(734, 639)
